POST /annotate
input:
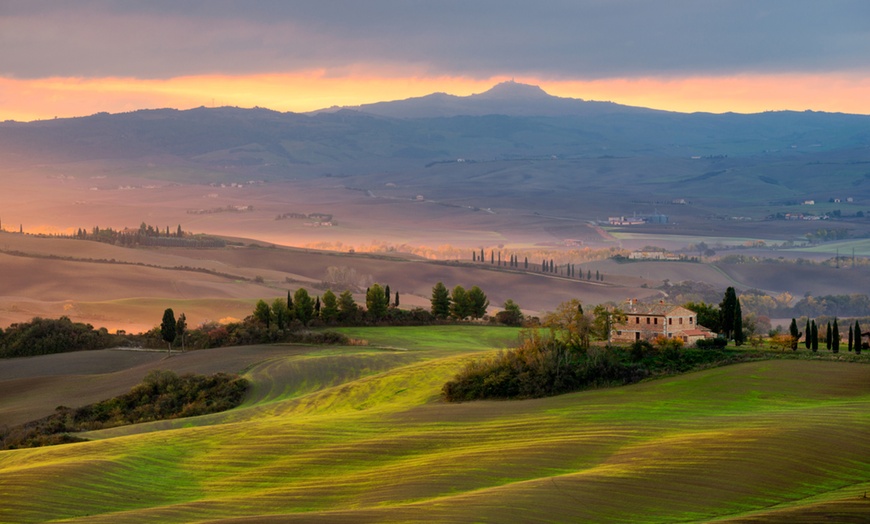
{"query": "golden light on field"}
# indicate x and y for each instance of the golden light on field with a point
(26, 100)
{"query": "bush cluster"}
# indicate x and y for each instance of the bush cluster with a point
(161, 395)
(43, 336)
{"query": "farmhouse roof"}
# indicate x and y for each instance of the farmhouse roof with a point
(659, 309)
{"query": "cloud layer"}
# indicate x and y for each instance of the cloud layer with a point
(576, 39)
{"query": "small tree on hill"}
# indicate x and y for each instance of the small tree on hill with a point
(263, 313)
(168, 328)
(329, 309)
(440, 301)
(478, 302)
(376, 302)
(460, 305)
(512, 315)
(181, 327)
(795, 334)
(303, 306)
(348, 311)
(280, 314)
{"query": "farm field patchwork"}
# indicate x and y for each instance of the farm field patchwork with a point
(359, 434)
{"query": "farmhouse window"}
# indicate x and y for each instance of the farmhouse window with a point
(670, 322)
(647, 320)
(655, 321)
(691, 320)
(637, 320)
(681, 320)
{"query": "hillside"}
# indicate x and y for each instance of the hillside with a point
(359, 435)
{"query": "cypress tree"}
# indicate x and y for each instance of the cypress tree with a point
(474, 256)
(396, 303)
(168, 328)
(850, 337)
(808, 340)
(828, 337)
(795, 334)
(727, 309)
(859, 340)
(387, 293)
(738, 324)
(815, 328)
(527, 263)
(835, 337)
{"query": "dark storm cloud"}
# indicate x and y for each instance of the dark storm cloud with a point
(558, 39)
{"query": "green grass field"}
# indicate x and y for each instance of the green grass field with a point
(359, 434)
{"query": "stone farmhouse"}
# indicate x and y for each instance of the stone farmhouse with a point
(648, 321)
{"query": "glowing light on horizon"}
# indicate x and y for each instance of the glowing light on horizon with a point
(38, 99)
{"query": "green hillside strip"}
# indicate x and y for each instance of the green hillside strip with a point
(362, 436)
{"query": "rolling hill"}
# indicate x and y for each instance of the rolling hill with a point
(359, 435)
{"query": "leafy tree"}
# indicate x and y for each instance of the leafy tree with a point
(511, 316)
(263, 313)
(440, 301)
(460, 305)
(303, 306)
(280, 314)
(478, 302)
(603, 319)
(347, 308)
(168, 328)
(181, 326)
(708, 315)
(835, 337)
(329, 309)
(569, 325)
(376, 302)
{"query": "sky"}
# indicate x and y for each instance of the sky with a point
(63, 59)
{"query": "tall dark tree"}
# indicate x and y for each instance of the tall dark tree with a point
(859, 339)
(460, 305)
(828, 336)
(317, 306)
(348, 311)
(280, 313)
(850, 338)
(527, 263)
(727, 312)
(440, 301)
(263, 313)
(739, 336)
(329, 309)
(376, 302)
(396, 303)
(478, 302)
(815, 328)
(181, 327)
(387, 294)
(289, 301)
(474, 256)
(168, 328)
(303, 306)
(808, 340)
(835, 337)
(795, 334)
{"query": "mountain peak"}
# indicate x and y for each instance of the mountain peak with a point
(511, 89)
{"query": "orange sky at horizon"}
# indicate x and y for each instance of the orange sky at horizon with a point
(46, 98)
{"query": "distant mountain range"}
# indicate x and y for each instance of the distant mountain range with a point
(509, 121)
(507, 98)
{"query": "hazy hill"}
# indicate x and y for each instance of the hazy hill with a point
(509, 121)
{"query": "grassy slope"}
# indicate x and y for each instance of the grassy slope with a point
(359, 435)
